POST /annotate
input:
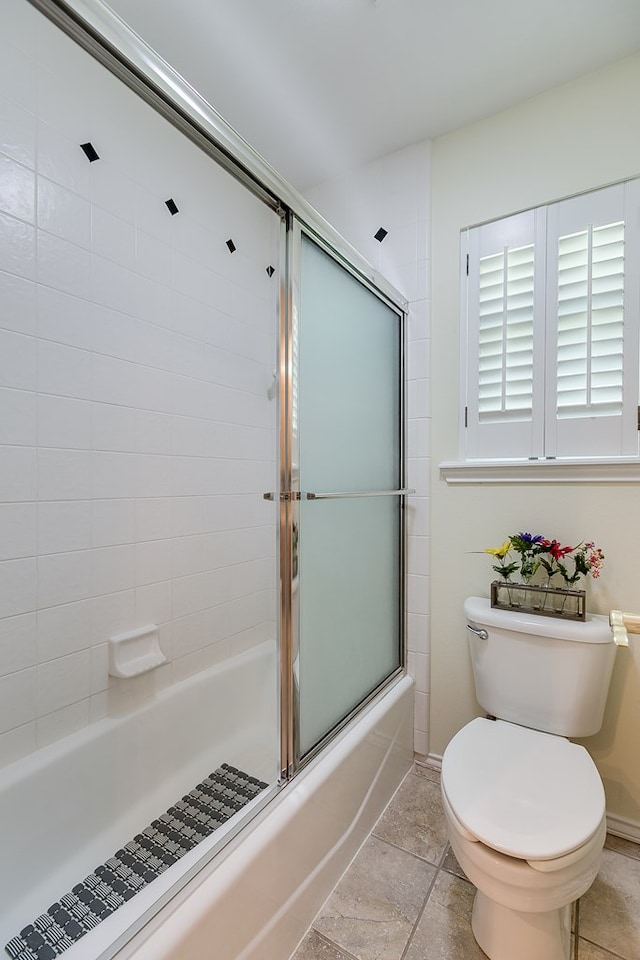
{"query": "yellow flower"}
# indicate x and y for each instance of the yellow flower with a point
(500, 552)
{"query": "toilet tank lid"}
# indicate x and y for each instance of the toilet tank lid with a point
(595, 629)
(530, 795)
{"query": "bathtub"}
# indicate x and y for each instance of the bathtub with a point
(263, 880)
(69, 806)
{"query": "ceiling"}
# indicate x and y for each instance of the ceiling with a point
(320, 86)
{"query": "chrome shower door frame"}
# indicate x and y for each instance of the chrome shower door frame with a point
(290, 495)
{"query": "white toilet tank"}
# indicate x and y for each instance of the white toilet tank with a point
(540, 672)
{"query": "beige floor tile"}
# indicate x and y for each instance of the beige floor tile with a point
(451, 865)
(628, 847)
(429, 773)
(371, 915)
(444, 931)
(590, 951)
(610, 910)
(315, 947)
(414, 819)
(372, 911)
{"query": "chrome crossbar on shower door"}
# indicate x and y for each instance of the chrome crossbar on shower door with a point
(347, 495)
(356, 494)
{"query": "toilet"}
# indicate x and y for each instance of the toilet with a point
(524, 806)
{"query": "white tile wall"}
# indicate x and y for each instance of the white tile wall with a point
(19, 127)
(18, 530)
(63, 213)
(394, 193)
(17, 417)
(18, 304)
(63, 681)
(63, 525)
(136, 435)
(17, 643)
(135, 431)
(63, 422)
(17, 699)
(56, 158)
(18, 586)
(17, 473)
(17, 247)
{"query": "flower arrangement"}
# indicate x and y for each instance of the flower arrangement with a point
(533, 552)
(525, 555)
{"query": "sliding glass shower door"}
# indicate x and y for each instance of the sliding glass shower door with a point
(347, 416)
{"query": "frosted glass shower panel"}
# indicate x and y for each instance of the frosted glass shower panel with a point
(349, 380)
(349, 443)
(349, 610)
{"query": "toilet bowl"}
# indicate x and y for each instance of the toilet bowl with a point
(524, 806)
(525, 814)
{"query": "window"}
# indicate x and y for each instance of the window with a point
(550, 330)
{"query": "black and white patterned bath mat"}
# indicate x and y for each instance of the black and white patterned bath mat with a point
(163, 842)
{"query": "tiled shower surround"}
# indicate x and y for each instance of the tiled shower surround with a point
(137, 349)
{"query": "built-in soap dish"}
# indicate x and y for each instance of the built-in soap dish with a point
(135, 652)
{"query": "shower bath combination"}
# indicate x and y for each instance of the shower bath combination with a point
(104, 797)
(192, 673)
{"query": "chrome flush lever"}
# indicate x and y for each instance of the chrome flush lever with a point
(479, 632)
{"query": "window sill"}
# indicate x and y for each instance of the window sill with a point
(542, 471)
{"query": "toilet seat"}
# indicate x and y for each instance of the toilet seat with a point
(531, 795)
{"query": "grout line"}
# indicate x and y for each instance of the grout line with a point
(426, 900)
(411, 853)
(599, 946)
(623, 853)
(332, 943)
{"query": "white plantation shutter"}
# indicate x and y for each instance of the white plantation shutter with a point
(505, 273)
(590, 322)
(505, 360)
(592, 344)
(551, 307)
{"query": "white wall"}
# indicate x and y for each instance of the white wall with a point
(575, 137)
(393, 193)
(136, 436)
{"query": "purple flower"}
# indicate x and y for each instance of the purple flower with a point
(530, 538)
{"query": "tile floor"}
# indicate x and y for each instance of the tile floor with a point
(404, 897)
